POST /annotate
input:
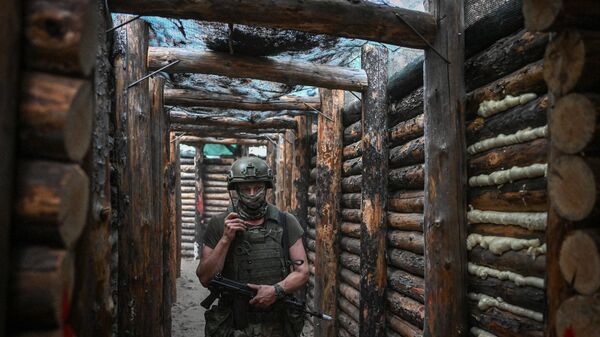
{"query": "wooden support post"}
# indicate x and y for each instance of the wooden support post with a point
(197, 98)
(328, 198)
(280, 178)
(260, 68)
(272, 162)
(94, 250)
(174, 212)
(289, 189)
(301, 171)
(356, 19)
(199, 194)
(140, 237)
(445, 166)
(373, 264)
(10, 28)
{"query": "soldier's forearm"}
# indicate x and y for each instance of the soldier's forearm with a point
(295, 280)
(213, 263)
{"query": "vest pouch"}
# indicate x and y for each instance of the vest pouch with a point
(240, 312)
(294, 323)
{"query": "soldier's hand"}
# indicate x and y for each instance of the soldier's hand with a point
(265, 296)
(233, 224)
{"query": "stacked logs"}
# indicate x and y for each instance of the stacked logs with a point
(52, 190)
(506, 163)
(311, 234)
(573, 238)
(216, 196)
(188, 202)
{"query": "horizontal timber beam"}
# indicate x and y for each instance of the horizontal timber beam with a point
(353, 19)
(213, 140)
(260, 68)
(199, 98)
(212, 131)
(228, 121)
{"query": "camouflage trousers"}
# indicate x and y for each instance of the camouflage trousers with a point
(219, 324)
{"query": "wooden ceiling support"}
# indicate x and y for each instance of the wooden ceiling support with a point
(217, 140)
(352, 19)
(228, 121)
(200, 98)
(260, 68)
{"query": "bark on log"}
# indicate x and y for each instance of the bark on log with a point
(527, 297)
(406, 201)
(350, 245)
(408, 107)
(301, 171)
(222, 131)
(350, 261)
(219, 161)
(260, 68)
(51, 203)
(214, 140)
(579, 261)
(55, 116)
(408, 261)
(214, 177)
(41, 289)
(504, 323)
(216, 196)
(348, 308)
(407, 284)
(407, 130)
(402, 327)
(213, 189)
(506, 56)
(578, 316)
(197, 98)
(350, 277)
(406, 308)
(406, 80)
(410, 153)
(532, 114)
(352, 112)
(378, 23)
(557, 14)
(573, 186)
(405, 221)
(503, 158)
(353, 133)
(346, 322)
(512, 231)
(571, 61)
(329, 159)
(411, 177)
(515, 261)
(352, 167)
(353, 150)
(351, 200)
(576, 123)
(352, 184)
(228, 121)
(61, 36)
(529, 79)
(405, 240)
(523, 196)
(350, 293)
(352, 215)
(350, 229)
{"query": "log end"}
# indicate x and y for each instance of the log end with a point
(78, 126)
(572, 188)
(580, 262)
(573, 123)
(579, 316)
(74, 205)
(564, 62)
(540, 15)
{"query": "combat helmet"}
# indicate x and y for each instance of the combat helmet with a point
(249, 170)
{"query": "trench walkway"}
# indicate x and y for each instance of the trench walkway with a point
(187, 314)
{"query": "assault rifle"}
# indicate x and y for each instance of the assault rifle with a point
(220, 284)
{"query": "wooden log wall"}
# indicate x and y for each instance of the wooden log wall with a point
(311, 228)
(51, 200)
(216, 196)
(507, 151)
(572, 236)
(187, 178)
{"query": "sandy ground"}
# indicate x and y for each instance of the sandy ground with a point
(187, 314)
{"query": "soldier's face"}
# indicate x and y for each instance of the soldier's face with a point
(251, 189)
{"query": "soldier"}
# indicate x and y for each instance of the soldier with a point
(255, 243)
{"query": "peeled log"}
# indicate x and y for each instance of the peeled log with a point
(523, 196)
(406, 201)
(573, 186)
(579, 261)
(350, 229)
(554, 15)
(41, 289)
(407, 130)
(55, 116)
(51, 202)
(503, 158)
(61, 36)
(407, 284)
(527, 297)
(575, 123)
(571, 62)
(529, 79)
(405, 221)
(409, 153)
(411, 241)
(515, 261)
(579, 316)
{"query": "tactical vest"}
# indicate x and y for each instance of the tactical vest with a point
(260, 254)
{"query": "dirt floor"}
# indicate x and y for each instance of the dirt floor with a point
(187, 314)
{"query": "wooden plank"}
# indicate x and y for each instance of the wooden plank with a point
(174, 213)
(356, 19)
(199, 98)
(260, 68)
(445, 197)
(140, 273)
(194, 140)
(373, 266)
(231, 120)
(328, 190)
(199, 195)
(10, 28)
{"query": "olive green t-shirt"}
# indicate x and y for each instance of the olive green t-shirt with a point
(214, 229)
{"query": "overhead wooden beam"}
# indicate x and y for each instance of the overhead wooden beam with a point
(353, 19)
(230, 121)
(445, 196)
(373, 229)
(10, 28)
(328, 197)
(223, 131)
(199, 98)
(260, 68)
(214, 140)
